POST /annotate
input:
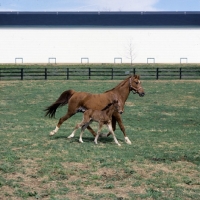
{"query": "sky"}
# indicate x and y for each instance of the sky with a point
(99, 5)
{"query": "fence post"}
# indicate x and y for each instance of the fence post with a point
(45, 73)
(157, 73)
(67, 73)
(180, 73)
(112, 73)
(22, 73)
(133, 71)
(89, 73)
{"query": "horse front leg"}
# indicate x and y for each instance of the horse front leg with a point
(112, 132)
(119, 121)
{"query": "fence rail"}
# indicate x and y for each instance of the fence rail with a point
(97, 73)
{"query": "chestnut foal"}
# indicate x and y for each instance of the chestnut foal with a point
(102, 117)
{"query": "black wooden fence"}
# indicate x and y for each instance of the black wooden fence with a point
(97, 73)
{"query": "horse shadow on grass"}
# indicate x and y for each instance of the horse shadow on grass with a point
(85, 139)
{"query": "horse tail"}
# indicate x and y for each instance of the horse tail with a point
(61, 101)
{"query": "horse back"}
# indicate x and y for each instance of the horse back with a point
(97, 101)
(89, 101)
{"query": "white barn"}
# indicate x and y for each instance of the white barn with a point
(99, 37)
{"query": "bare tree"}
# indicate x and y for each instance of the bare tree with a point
(130, 51)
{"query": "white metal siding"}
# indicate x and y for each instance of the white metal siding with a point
(99, 45)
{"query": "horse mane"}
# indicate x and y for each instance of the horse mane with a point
(115, 101)
(119, 85)
(107, 106)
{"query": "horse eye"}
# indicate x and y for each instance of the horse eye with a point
(137, 82)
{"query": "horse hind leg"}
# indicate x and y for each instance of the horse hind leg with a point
(62, 119)
(54, 131)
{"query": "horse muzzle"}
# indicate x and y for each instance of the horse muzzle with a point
(121, 111)
(141, 94)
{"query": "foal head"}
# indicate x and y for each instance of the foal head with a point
(115, 106)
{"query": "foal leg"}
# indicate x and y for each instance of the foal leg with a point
(81, 135)
(82, 131)
(98, 133)
(74, 131)
(103, 135)
(113, 126)
(84, 124)
(111, 130)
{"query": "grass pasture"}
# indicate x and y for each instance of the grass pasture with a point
(163, 161)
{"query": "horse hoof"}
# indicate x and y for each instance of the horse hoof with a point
(51, 133)
(119, 145)
(127, 140)
(95, 143)
(81, 141)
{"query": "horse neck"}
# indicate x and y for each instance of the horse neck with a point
(122, 90)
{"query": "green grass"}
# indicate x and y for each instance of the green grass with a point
(163, 161)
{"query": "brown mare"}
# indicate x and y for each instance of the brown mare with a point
(78, 100)
(102, 117)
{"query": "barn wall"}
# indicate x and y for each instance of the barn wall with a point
(100, 45)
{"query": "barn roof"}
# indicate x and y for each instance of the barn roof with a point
(121, 19)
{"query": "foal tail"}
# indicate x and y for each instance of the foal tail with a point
(61, 101)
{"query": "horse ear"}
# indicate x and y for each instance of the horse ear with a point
(137, 77)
